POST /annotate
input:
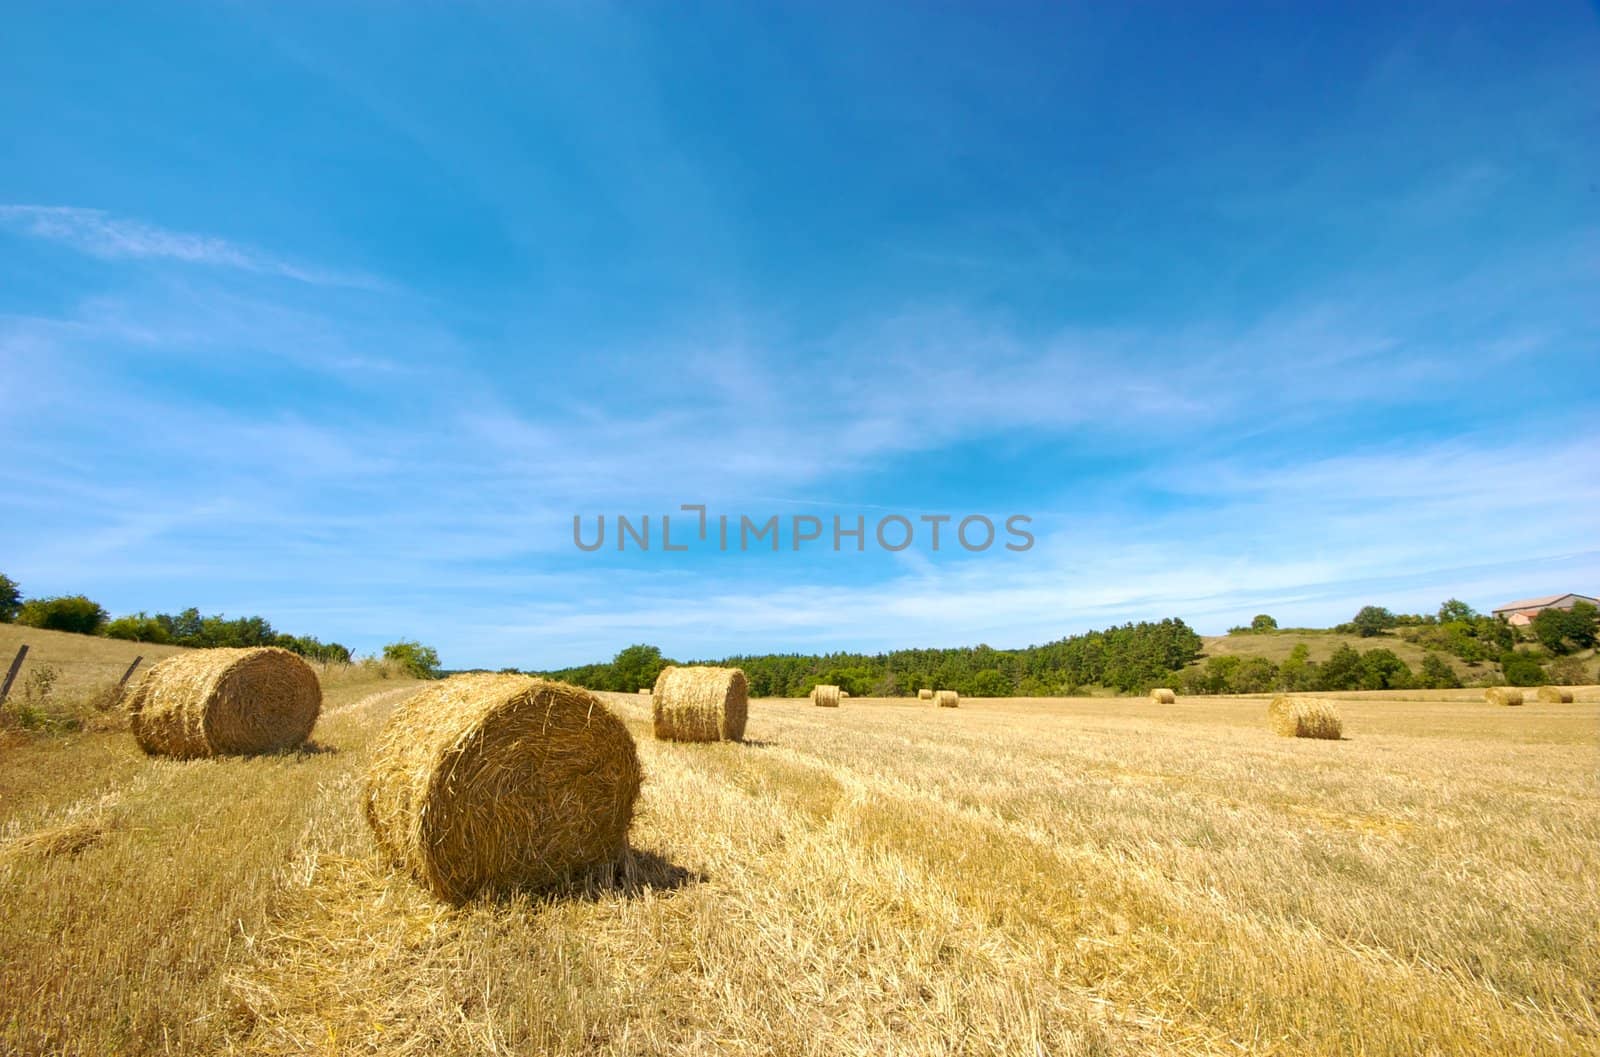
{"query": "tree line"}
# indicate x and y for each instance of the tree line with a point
(84, 616)
(1129, 658)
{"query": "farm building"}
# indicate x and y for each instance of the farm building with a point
(1521, 614)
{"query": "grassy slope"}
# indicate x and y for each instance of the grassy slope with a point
(1276, 647)
(1064, 876)
(85, 662)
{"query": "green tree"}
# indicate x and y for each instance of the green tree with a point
(990, 682)
(1263, 622)
(636, 666)
(68, 613)
(417, 659)
(1453, 609)
(1437, 673)
(10, 599)
(1297, 672)
(1566, 630)
(1256, 675)
(1384, 670)
(140, 627)
(1372, 620)
(1342, 671)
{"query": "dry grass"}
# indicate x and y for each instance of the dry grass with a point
(1077, 876)
(1277, 646)
(500, 782)
(87, 663)
(213, 702)
(699, 704)
(1503, 695)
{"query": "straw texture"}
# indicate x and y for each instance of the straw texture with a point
(1163, 696)
(700, 704)
(1305, 717)
(225, 701)
(1555, 695)
(1503, 695)
(925, 694)
(486, 784)
(947, 699)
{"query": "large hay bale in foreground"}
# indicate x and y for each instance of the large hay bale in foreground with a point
(1555, 695)
(947, 699)
(824, 695)
(1503, 695)
(700, 704)
(225, 701)
(1163, 696)
(1305, 717)
(925, 694)
(493, 783)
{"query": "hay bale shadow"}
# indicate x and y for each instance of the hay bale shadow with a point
(310, 748)
(638, 871)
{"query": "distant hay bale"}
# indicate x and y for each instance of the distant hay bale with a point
(1503, 695)
(493, 783)
(824, 695)
(1305, 717)
(947, 699)
(1555, 695)
(644, 689)
(700, 704)
(925, 694)
(225, 701)
(843, 694)
(1163, 696)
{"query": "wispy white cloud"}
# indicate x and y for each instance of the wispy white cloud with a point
(100, 234)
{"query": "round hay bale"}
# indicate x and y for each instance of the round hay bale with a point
(225, 701)
(700, 704)
(1163, 696)
(493, 783)
(925, 694)
(844, 695)
(824, 695)
(1503, 695)
(644, 689)
(1305, 717)
(947, 699)
(1555, 695)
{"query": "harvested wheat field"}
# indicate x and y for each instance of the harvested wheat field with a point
(1067, 876)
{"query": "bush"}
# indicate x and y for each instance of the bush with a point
(1568, 671)
(1437, 674)
(73, 613)
(1520, 669)
(139, 628)
(418, 660)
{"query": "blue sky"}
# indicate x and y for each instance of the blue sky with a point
(340, 314)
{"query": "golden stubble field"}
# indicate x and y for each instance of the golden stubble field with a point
(1083, 876)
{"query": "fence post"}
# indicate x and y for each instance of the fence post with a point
(16, 666)
(129, 673)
